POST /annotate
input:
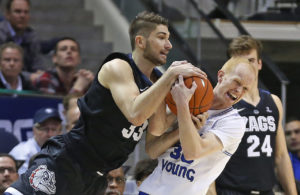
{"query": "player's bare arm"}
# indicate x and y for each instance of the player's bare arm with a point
(117, 76)
(193, 145)
(160, 121)
(157, 145)
(282, 159)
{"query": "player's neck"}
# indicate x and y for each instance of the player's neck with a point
(252, 96)
(143, 64)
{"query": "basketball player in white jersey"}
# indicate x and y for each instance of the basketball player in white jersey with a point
(190, 159)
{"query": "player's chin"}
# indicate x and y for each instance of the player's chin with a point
(163, 60)
(112, 192)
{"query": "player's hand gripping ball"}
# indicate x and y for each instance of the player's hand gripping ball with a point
(201, 99)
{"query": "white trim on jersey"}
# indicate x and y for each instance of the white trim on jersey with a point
(13, 191)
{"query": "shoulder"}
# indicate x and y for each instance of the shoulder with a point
(231, 123)
(115, 68)
(276, 98)
(116, 65)
(117, 55)
(230, 129)
(277, 101)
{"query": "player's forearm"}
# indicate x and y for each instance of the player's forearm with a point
(189, 137)
(160, 121)
(148, 102)
(285, 174)
(157, 145)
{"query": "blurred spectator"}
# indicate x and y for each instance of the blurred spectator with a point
(11, 64)
(116, 182)
(292, 135)
(47, 123)
(64, 78)
(7, 141)
(8, 171)
(16, 28)
(143, 169)
(71, 110)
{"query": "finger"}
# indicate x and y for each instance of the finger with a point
(200, 73)
(183, 62)
(195, 119)
(180, 79)
(194, 86)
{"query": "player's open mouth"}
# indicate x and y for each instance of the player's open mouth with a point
(164, 53)
(232, 96)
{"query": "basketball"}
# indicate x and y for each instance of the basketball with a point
(200, 101)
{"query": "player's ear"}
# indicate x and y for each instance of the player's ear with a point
(259, 64)
(221, 74)
(140, 41)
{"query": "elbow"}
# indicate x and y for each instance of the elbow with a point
(136, 120)
(152, 156)
(151, 152)
(155, 131)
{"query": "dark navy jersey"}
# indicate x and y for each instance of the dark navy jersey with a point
(103, 138)
(252, 165)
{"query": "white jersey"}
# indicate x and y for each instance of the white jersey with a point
(175, 175)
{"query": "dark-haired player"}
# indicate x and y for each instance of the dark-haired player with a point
(127, 91)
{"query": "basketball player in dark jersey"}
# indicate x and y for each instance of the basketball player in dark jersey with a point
(127, 91)
(251, 170)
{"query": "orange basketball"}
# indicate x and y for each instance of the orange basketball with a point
(200, 101)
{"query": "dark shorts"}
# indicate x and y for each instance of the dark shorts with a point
(54, 171)
(227, 191)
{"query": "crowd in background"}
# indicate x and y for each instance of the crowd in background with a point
(22, 68)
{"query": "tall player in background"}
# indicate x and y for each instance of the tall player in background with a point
(127, 91)
(191, 158)
(251, 170)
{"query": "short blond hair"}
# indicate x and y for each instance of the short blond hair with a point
(233, 62)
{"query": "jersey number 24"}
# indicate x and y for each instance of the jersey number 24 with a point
(265, 147)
